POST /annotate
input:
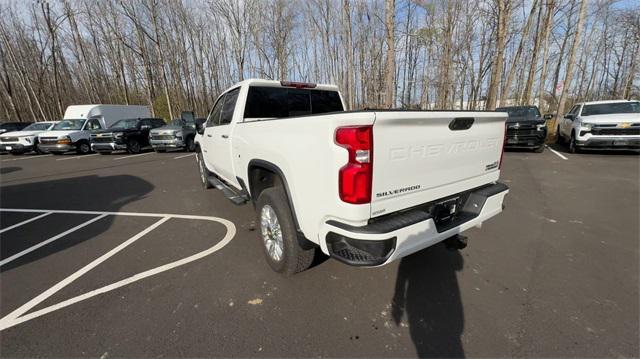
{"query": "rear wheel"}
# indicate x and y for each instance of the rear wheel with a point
(83, 148)
(278, 234)
(133, 146)
(558, 136)
(190, 145)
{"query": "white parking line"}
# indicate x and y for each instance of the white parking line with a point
(74, 157)
(183, 156)
(18, 315)
(132, 156)
(557, 153)
(26, 158)
(25, 222)
(44, 243)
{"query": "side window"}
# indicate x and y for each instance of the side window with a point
(93, 124)
(214, 115)
(229, 105)
(145, 122)
(156, 122)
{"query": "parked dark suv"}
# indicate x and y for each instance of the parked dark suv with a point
(129, 134)
(526, 128)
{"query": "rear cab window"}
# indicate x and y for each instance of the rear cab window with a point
(283, 102)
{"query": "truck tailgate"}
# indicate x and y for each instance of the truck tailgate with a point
(419, 157)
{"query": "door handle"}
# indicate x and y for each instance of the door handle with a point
(208, 135)
(225, 136)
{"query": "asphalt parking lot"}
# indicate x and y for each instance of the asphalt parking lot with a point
(153, 265)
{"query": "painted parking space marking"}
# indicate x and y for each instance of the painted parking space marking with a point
(26, 158)
(76, 157)
(20, 314)
(132, 156)
(25, 222)
(49, 240)
(557, 153)
(183, 156)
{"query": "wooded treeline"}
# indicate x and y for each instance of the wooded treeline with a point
(178, 55)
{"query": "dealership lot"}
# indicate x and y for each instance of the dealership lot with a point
(555, 275)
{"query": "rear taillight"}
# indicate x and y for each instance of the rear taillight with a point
(504, 141)
(354, 178)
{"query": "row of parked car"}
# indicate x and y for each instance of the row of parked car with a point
(613, 124)
(102, 129)
(108, 128)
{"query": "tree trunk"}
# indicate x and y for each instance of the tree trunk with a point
(502, 8)
(570, 61)
(390, 10)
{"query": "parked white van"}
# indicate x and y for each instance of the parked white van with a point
(74, 131)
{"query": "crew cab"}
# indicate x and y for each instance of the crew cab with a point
(366, 187)
(24, 140)
(131, 135)
(526, 127)
(73, 133)
(601, 125)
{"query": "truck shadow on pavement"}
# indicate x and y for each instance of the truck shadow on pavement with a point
(427, 293)
(5, 170)
(86, 193)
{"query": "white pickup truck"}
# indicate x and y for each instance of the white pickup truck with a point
(367, 187)
(613, 124)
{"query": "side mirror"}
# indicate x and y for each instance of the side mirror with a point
(569, 116)
(200, 127)
(145, 127)
(548, 116)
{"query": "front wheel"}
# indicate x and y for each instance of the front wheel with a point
(133, 146)
(83, 148)
(572, 144)
(278, 234)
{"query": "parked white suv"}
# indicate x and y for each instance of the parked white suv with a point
(601, 124)
(366, 187)
(25, 140)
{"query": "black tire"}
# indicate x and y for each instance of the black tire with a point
(190, 145)
(204, 172)
(83, 147)
(293, 258)
(559, 138)
(133, 146)
(572, 144)
(539, 149)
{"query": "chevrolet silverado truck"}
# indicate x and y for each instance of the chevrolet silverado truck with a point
(24, 140)
(366, 187)
(131, 135)
(178, 134)
(601, 125)
(526, 127)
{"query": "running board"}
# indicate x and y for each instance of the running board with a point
(230, 193)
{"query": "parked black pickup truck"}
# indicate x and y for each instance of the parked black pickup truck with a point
(131, 135)
(526, 128)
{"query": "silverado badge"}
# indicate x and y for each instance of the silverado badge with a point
(624, 125)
